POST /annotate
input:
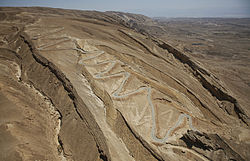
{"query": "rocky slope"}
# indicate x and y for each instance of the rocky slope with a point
(85, 85)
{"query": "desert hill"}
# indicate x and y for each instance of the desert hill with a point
(88, 85)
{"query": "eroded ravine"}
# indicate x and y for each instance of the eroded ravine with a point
(55, 86)
(41, 107)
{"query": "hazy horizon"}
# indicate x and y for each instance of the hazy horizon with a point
(156, 8)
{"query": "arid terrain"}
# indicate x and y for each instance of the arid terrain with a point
(87, 85)
(221, 45)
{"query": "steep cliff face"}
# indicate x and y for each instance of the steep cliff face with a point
(80, 85)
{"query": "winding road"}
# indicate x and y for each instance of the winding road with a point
(117, 92)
